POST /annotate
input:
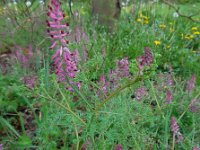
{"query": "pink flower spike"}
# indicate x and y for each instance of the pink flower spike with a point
(119, 147)
(175, 130)
(169, 97)
(191, 84)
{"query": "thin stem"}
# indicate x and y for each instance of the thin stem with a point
(188, 107)
(61, 105)
(155, 97)
(77, 137)
(117, 91)
(173, 143)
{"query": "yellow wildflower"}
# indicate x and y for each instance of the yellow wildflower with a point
(145, 17)
(168, 46)
(163, 26)
(146, 21)
(194, 28)
(196, 33)
(140, 14)
(139, 20)
(156, 42)
(189, 37)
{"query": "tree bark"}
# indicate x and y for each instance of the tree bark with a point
(106, 11)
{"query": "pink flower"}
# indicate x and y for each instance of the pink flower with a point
(30, 81)
(175, 129)
(146, 59)
(169, 97)
(24, 55)
(122, 69)
(104, 84)
(119, 147)
(195, 105)
(114, 77)
(196, 148)
(169, 80)
(65, 61)
(140, 93)
(191, 84)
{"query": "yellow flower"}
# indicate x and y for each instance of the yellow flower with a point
(145, 17)
(189, 37)
(146, 21)
(156, 42)
(168, 46)
(139, 20)
(196, 33)
(194, 28)
(140, 14)
(163, 26)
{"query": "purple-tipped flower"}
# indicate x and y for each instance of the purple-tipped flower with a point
(65, 61)
(169, 97)
(30, 81)
(119, 147)
(140, 93)
(146, 59)
(175, 130)
(196, 148)
(104, 84)
(122, 69)
(169, 80)
(191, 84)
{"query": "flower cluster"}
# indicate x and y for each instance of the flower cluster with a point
(65, 61)
(143, 19)
(104, 84)
(175, 130)
(145, 60)
(121, 71)
(30, 81)
(169, 97)
(24, 55)
(191, 84)
(119, 147)
(195, 105)
(140, 93)
(169, 80)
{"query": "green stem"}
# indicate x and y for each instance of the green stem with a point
(155, 97)
(188, 107)
(173, 143)
(61, 105)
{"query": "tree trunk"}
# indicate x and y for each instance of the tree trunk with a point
(106, 11)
